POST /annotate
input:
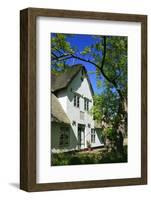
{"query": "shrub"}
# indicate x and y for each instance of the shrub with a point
(76, 158)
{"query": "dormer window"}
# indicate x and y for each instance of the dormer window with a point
(76, 101)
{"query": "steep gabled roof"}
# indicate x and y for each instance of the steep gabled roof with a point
(61, 81)
(57, 112)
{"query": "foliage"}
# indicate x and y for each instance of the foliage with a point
(109, 56)
(107, 53)
(105, 106)
(77, 158)
(110, 133)
(114, 157)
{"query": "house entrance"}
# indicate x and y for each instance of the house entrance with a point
(81, 136)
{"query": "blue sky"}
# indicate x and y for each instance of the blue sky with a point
(81, 41)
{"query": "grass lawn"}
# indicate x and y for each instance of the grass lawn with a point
(88, 157)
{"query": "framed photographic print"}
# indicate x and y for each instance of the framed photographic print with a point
(83, 93)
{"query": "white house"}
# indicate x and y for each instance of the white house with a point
(72, 125)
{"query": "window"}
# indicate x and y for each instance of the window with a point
(86, 104)
(76, 100)
(92, 135)
(64, 136)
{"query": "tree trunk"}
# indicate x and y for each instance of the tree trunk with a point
(119, 143)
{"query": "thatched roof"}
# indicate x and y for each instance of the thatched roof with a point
(62, 80)
(57, 112)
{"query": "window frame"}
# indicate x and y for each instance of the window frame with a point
(76, 101)
(93, 135)
(86, 104)
(64, 132)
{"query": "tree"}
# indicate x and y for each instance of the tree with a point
(109, 56)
